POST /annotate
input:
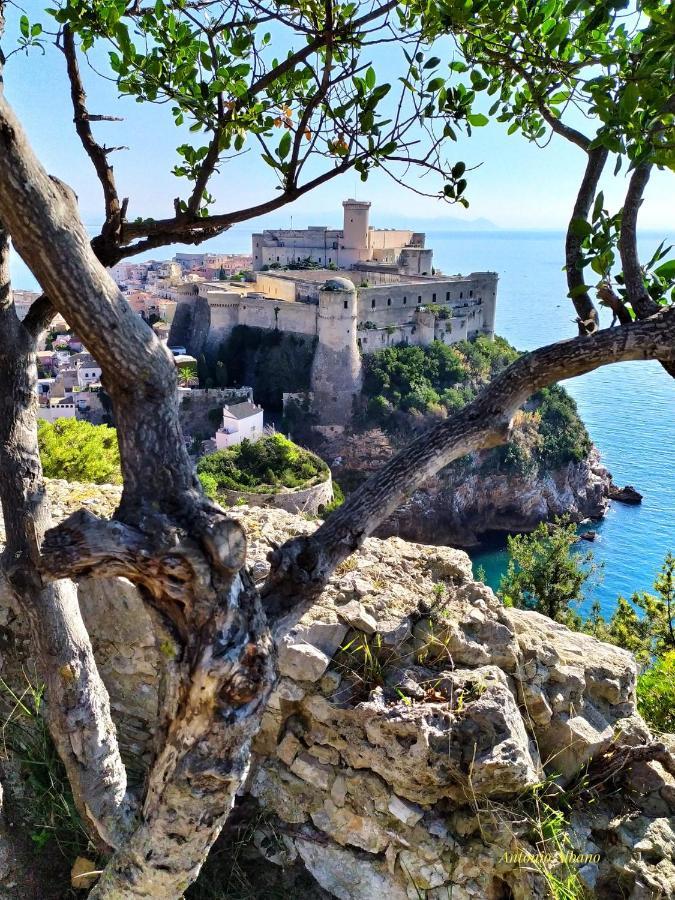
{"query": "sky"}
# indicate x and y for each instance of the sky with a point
(515, 185)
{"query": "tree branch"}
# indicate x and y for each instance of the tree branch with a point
(587, 315)
(78, 709)
(97, 154)
(39, 316)
(636, 292)
(303, 565)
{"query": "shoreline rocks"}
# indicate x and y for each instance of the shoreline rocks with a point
(627, 494)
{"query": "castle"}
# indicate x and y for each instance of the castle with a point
(379, 289)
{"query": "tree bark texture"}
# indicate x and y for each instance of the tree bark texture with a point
(587, 314)
(77, 709)
(636, 292)
(186, 555)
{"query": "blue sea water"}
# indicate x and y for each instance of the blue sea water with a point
(629, 408)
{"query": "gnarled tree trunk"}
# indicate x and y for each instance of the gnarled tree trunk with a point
(78, 711)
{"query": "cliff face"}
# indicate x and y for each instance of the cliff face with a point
(458, 507)
(422, 738)
(469, 499)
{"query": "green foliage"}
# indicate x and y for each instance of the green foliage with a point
(261, 466)
(336, 502)
(545, 573)
(645, 624)
(439, 377)
(79, 451)
(656, 694)
(187, 374)
(235, 87)
(565, 438)
(50, 813)
(567, 64)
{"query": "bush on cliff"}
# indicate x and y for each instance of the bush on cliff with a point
(440, 380)
(268, 464)
(78, 451)
(546, 574)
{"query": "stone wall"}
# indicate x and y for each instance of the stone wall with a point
(308, 500)
(196, 404)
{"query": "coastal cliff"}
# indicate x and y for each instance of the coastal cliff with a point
(459, 508)
(474, 497)
(422, 740)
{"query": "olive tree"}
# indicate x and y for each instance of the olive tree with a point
(315, 111)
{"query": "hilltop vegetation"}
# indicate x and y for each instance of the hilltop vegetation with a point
(268, 464)
(404, 383)
(78, 451)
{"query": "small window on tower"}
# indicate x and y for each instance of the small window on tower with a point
(346, 304)
(419, 298)
(447, 296)
(388, 301)
(405, 300)
(372, 304)
(433, 297)
(461, 295)
(470, 293)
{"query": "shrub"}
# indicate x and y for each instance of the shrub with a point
(441, 379)
(656, 694)
(268, 464)
(78, 451)
(545, 573)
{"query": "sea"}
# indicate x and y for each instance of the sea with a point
(629, 408)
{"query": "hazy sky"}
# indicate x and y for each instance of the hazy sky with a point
(517, 185)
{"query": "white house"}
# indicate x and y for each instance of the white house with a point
(240, 420)
(57, 408)
(87, 375)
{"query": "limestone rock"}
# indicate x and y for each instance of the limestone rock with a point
(413, 718)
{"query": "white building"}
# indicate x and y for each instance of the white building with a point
(87, 375)
(57, 408)
(240, 421)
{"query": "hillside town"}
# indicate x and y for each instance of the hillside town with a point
(352, 290)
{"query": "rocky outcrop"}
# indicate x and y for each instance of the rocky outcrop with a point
(627, 494)
(423, 740)
(461, 505)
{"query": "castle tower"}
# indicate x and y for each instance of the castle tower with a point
(355, 229)
(336, 368)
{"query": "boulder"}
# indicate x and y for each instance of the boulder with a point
(627, 494)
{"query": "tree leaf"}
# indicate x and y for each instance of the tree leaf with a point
(477, 119)
(284, 145)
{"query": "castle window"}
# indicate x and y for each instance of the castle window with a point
(433, 297)
(346, 304)
(470, 293)
(405, 300)
(277, 259)
(419, 298)
(447, 296)
(388, 301)
(372, 304)
(461, 294)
